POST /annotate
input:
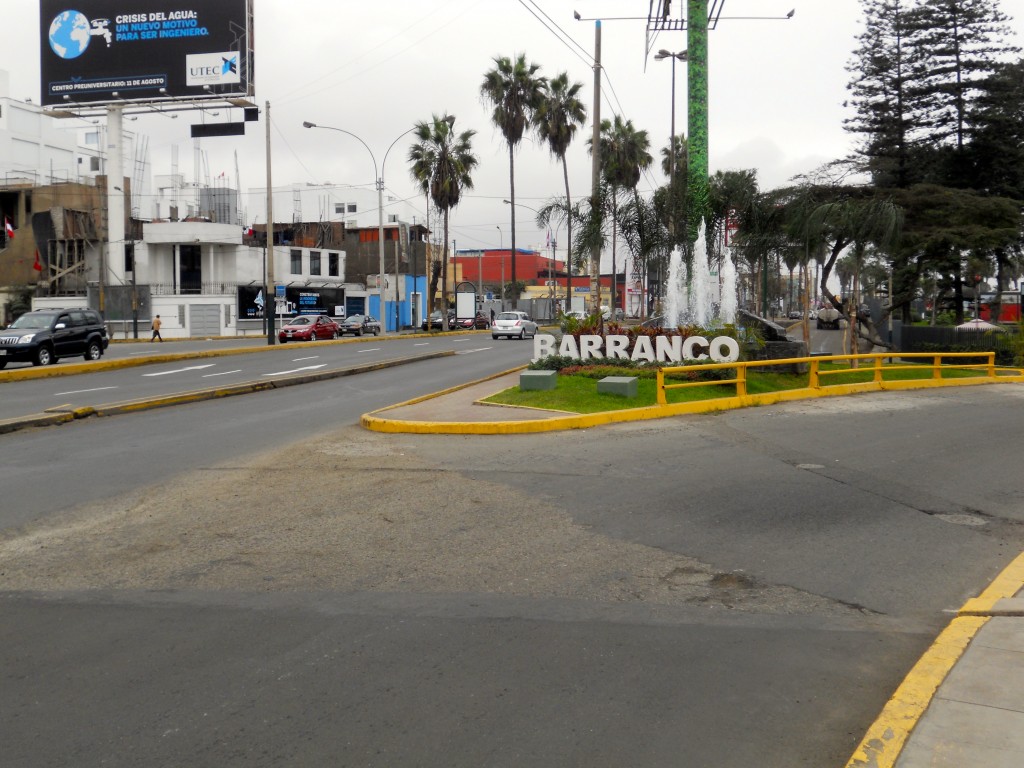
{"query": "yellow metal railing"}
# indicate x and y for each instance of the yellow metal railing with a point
(815, 374)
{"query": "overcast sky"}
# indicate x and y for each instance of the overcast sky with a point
(375, 68)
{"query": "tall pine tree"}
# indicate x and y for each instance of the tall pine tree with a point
(885, 68)
(960, 42)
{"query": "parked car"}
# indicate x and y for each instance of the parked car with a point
(575, 316)
(44, 336)
(308, 328)
(360, 324)
(470, 322)
(436, 319)
(516, 324)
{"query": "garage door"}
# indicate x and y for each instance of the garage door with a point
(204, 320)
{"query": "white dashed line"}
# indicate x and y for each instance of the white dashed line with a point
(80, 391)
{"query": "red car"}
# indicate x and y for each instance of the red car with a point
(308, 328)
(470, 322)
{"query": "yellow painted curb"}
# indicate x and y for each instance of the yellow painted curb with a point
(1006, 584)
(375, 421)
(53, 371)
(888, 735)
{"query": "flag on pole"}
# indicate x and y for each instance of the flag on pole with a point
(549, 239)
(8, 228)
(37, 266)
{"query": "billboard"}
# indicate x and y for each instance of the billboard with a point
(112, 51)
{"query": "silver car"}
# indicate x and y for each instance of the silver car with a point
(514, 325)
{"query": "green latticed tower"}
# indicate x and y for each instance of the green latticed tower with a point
(697, 114)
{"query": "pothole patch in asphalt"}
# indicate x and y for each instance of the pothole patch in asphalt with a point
(962, 519)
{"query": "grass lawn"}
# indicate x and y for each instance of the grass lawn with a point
(578, 394)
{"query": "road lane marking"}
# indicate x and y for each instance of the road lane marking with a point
(222, 373)
(300, 359)
(471, 351)
(296, 370)
(80, 391)
(422, 344)
(372, 349)
(182, 370)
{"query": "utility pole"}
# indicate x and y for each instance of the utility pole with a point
(595, 173)
(270, 291)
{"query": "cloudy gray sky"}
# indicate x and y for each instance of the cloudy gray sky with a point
(376, 68)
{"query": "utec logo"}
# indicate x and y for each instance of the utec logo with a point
(212, 68)
(663, 349)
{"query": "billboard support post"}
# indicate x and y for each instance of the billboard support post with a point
(271, 292)
(114, 268)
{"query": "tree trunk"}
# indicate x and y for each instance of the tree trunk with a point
(444, 276)
(615, 222)
(512, 200)
(568, 239)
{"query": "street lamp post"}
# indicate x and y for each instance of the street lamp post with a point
(678, 56)
(379, 176)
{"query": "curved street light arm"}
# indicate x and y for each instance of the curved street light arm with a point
(376, 175)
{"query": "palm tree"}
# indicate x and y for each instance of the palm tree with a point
(624, 155)
(561, 113)
(442, 163)
(516, 91)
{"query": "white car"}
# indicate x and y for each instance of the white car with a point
(516, 325)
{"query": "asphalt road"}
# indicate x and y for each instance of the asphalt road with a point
(256, 581)
(263, 364)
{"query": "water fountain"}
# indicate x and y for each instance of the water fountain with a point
(691, 296)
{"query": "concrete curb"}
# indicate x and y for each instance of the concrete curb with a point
(63, 414)
(376, 422)
(888, 735)
(52, 371)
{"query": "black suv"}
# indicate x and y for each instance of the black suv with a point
(45, 335)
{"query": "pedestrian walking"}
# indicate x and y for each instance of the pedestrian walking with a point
(156, 329)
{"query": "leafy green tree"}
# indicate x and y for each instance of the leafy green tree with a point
(560, 115)
(996, 131)
(593, 224)
(675, 194)
(842, 216)
(516, 92)
(442, 162)
(945, 226)
(624, 156)
(646, 237)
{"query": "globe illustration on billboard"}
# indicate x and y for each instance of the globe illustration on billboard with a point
(69, 34)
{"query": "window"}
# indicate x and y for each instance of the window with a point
(332, 265)
(94, 163)
(392, 218)
(129, 257)
(339, 207)
(352, 208)
(296, 266)
(314, 262)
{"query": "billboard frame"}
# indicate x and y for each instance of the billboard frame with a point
(91, 95)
